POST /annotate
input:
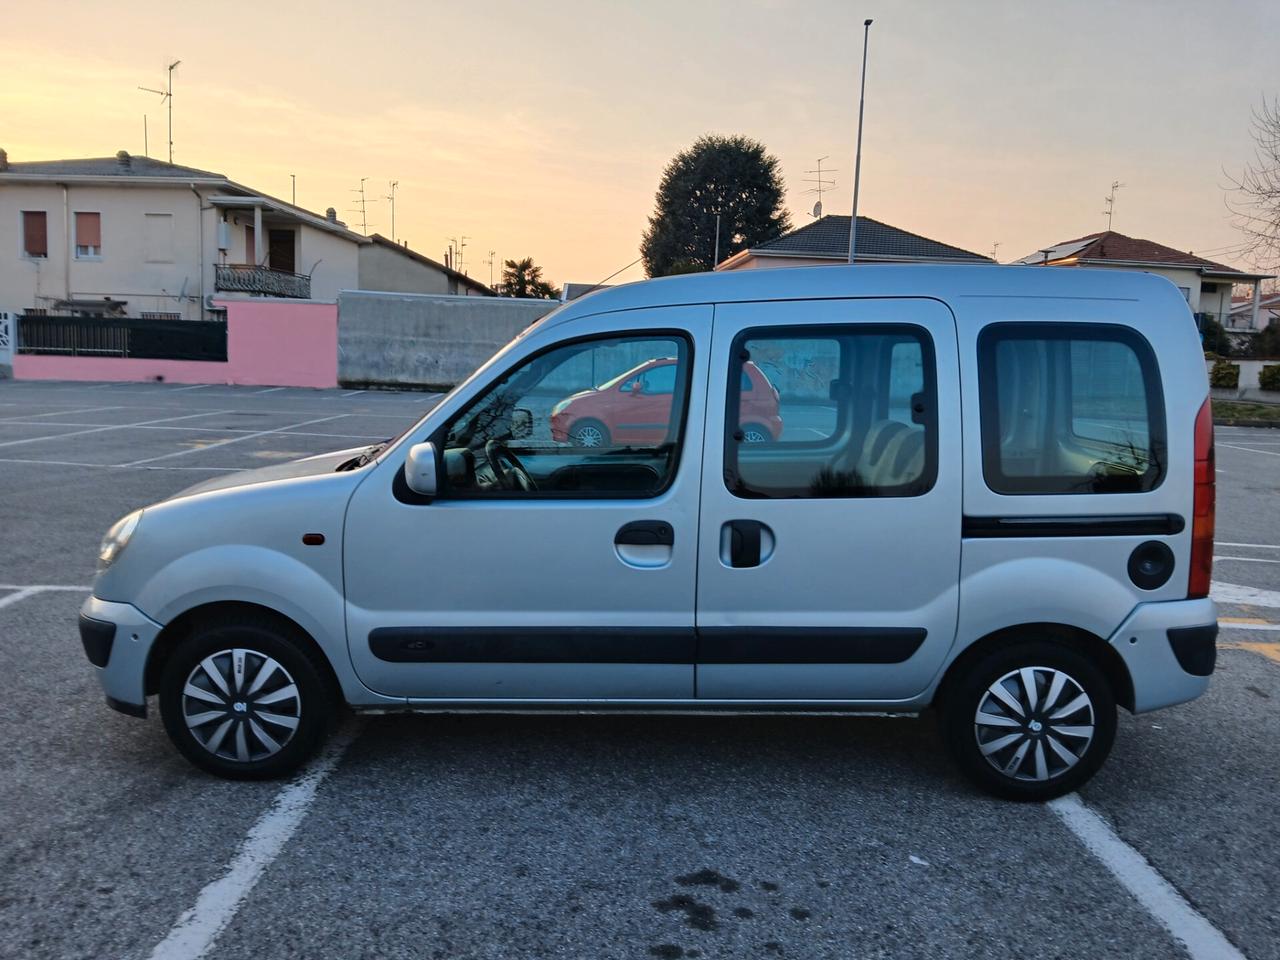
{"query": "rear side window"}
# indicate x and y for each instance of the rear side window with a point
(834, 411)
(1070, 408)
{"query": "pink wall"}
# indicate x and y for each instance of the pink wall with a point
(270, 343)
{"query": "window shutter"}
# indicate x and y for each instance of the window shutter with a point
(88, 229)
(35, 233)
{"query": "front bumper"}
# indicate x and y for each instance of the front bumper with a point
(120, 636)
(1155, 643)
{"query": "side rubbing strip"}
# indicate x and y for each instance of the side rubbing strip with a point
(1129, 525)
(808, 645)
(533, 644)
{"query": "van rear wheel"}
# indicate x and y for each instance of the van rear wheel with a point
(1031, 721)
(242, 700)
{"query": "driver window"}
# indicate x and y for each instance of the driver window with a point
(597, 418)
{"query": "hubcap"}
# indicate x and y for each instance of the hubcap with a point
(1034, 723)
(588, 436)
(241, 705)
(751, 435)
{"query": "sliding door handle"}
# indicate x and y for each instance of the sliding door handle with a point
(745, 543)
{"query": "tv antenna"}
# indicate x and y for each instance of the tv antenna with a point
(362, 208)
(392, 197)
(490, 263)
(457, 247)
(166, 96)
(1111, 201)
(994, 247)
(820, 184)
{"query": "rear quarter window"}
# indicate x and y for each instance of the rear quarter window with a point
(1070, 408)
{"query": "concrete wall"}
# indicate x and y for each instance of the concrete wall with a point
(424, 340)
(1247, 388)
(275, 343)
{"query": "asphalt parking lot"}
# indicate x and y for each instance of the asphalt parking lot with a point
(628, 837)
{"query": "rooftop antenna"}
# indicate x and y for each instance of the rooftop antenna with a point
(392, 197)
(361, 209)
(166, 95)
(820, 184)
(146, 149)
(857, 153)
(1111, 201)
(293, 183)
(490, 263)
(994, 247)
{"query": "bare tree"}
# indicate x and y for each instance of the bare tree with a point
(1256, 203)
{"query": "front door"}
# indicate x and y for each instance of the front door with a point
(831, 502)
(548, 568)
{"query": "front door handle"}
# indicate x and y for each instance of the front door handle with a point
(646, 533)
(745, 543)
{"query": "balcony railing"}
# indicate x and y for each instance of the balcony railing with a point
(241, 278)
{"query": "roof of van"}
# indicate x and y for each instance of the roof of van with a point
(942, 282)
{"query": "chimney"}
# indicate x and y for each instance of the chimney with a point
(4, 161)
(331, 215)
(123, 158)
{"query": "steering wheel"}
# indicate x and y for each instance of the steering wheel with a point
(512, 476)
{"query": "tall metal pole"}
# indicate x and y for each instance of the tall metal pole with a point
(170, 93)
(716, 259)
(857, 157)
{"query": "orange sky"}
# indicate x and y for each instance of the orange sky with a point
(541, 129)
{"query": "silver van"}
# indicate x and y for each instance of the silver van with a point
(986, 490)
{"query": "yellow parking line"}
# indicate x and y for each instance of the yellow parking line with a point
(1269, 650)
(1242, 620)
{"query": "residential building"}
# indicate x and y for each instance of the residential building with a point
(826, 241)
(394, 268)
(1206, 285)
(1242, 315)
(133, 236)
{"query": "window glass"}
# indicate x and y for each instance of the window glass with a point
(88, 234)
(593, 418)
(834, 412)
(1070, 408)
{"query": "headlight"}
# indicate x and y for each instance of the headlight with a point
(117, 538)
(559, 407)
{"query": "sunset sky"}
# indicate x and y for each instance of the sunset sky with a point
(541, 129)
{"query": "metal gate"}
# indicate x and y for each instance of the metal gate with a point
(8, 329)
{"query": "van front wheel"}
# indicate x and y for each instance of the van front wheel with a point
(241, 700)
(1032, 721)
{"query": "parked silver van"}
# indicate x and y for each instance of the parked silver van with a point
(988, 490)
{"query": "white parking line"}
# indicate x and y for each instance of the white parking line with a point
(112, 466)
(223, 443)
(1248, 596)
(353, 393)
(1265, 627)
(115, 426)
(1247, 559)
(197, 929)
(1254, 546)
(194, 386)
(1265, 453)
(1202, 940)
(269, 390)
(30, 591)
(58, 413)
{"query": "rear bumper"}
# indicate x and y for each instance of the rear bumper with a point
(1169, 649)
(117, 638)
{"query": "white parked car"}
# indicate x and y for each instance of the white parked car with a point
(990, 491)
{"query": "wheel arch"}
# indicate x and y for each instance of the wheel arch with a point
(183, 625)
(1101, 653)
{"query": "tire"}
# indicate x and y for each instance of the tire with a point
(589, 433)
(755, 433)
(1037, 763)
(252, 734)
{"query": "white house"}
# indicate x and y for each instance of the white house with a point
(133, 236)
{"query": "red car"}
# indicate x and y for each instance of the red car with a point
(635, 408)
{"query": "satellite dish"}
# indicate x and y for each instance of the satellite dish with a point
(817, 209)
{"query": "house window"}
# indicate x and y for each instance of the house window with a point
(88, 235)
(35, 234)
(158, 237)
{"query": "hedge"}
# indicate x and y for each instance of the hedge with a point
(1269, 378)
(1224, 375)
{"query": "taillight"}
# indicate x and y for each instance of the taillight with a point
(1203, 505)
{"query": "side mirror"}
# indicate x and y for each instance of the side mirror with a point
(420, 469)
(521, 424)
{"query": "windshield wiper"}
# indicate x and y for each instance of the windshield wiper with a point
(366, 456)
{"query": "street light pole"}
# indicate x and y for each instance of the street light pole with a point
(857, 157)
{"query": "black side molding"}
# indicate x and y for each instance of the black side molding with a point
(533, 644)
(808, 644)
(677, 645)
(97, 636)
(1128, 525)
(1196, 648)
